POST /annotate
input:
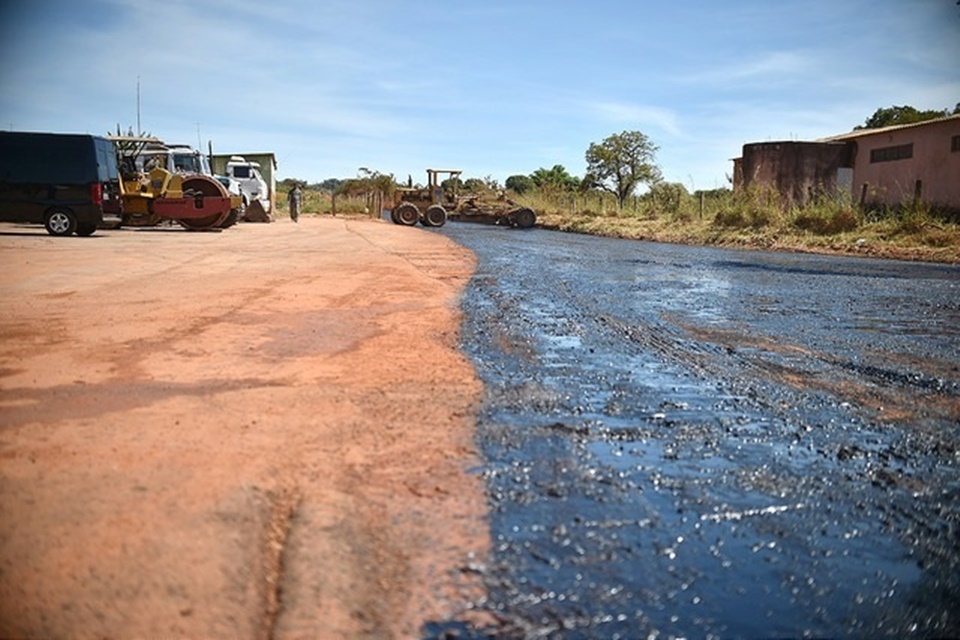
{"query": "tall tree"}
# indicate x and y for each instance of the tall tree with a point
(889, 116)
(476, 185)
(519, 184)
(556, 178)
(621, 162)
(367, 181)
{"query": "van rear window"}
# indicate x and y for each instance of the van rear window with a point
(106, 160)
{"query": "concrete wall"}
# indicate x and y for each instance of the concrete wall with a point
(889, 166)
(799, 171)
(932, 172)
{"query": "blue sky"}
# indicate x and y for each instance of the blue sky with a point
(493, 87)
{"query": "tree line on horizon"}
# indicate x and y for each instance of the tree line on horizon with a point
(618, 165)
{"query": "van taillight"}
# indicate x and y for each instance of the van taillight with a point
(96, 193)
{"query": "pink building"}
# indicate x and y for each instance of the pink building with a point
(905, 163)
(890, 166)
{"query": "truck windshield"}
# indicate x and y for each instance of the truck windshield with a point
(187, 163)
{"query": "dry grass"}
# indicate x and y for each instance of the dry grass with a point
(321, 203)
(760, 221)
(754, 220)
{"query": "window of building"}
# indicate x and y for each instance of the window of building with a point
(955, 143)
(889, 154)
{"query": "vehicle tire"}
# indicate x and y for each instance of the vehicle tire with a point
(60, 222)
(434, 216)
(524, 218)
(393, 216)
(84, 230)
(407, 214)
(208, 187)
(230, 220)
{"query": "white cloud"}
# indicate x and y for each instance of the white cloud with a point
(621, 113)
(337, 84)
(770, 67)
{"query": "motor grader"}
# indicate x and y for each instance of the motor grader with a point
(440, 200)
(154, 188)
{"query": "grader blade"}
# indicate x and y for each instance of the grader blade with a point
(256, 213)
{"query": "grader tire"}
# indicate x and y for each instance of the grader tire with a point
(434, 216)
(406, 214)
(524, 218)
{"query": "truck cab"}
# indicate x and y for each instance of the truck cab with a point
(252, 185)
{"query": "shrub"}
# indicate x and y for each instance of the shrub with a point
(746, 215)
(914, 220)
(751, 208)
(731, 218)
(826, 222)
(940, 238)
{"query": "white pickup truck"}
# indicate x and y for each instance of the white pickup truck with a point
(252, 185)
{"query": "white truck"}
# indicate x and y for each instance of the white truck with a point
(252, 185)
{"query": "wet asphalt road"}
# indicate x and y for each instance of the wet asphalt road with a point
(686, 441)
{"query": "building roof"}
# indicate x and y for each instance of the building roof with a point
(860, 133)
(262, 154)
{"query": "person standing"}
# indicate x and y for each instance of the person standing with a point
(293, 199)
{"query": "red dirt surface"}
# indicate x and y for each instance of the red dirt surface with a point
(260, 433)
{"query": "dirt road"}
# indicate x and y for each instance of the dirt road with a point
(260, 433)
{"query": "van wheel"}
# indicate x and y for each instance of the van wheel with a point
(60, 222)
(84, 230)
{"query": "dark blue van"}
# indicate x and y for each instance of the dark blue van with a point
(67, 182)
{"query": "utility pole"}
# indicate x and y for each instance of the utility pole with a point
(139, 130)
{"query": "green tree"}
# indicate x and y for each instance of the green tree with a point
(667, 196)
(453, 184)
(491, 183)
(889, 116)
(520, 184)
(367, 181)
(474, 185)
(621, 162)
(554, 178)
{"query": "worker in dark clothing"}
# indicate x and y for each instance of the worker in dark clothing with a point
(294, 200)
